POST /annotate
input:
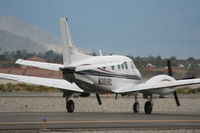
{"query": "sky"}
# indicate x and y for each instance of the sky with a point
(126, 27)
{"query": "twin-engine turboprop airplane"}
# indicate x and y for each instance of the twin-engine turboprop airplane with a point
(84, 74)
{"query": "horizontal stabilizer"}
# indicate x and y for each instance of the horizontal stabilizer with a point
(43, 65)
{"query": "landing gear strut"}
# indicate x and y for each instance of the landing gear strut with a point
(136, 106)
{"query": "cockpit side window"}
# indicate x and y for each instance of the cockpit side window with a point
(132, 65)
(113, 67)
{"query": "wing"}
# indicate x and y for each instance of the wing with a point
(159, 85)
(44, 65)
(57, 83)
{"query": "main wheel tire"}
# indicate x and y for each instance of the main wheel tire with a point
(70, 106)
(136, 107)
(148, 107)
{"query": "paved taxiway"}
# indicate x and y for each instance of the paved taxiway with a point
(85, 120)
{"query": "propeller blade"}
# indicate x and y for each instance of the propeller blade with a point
(192, 77)
(169, 66)
(176, 99)
(98, 99)
(170, 73)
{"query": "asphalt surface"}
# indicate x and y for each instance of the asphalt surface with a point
(84, 120)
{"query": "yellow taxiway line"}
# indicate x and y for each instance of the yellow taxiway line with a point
(96, 121)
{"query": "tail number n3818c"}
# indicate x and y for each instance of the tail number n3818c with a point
(105, 81)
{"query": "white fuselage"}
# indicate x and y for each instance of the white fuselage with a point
(105, 79)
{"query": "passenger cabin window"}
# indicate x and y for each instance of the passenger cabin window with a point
(122, 66)
(118, 66)
(126, 66)
(113, 67)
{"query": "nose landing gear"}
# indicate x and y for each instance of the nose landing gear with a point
(148, 107)
(136, 105)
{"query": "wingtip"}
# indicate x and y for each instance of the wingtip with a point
(18, 61)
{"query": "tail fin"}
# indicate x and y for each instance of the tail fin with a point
(70, 53)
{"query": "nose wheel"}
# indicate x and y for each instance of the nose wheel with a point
(136, 107)
(148, 107)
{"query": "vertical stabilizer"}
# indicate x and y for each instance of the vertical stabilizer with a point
(66, 40)
(70, 53)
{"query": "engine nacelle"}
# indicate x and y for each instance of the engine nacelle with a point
(158, 80)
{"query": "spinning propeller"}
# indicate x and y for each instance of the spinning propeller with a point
(98, 99)
(170, 73)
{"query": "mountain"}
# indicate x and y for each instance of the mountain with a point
(16, 34)
(10, 42)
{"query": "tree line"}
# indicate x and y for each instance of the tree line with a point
(140, 62)
(8, 59)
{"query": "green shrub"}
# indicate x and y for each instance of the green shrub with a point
(188, 90)
(26, 87)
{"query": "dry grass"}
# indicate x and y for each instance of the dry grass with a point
(26, 87)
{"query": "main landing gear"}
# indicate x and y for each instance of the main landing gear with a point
(70, 106)
(148, 107)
